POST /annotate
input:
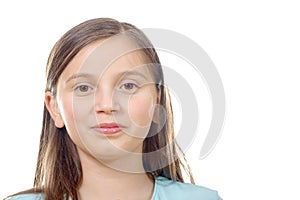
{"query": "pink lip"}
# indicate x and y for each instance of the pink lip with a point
(108, 128)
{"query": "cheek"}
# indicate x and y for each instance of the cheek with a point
(75, 110)
(140, 106)
(73, 117)
(67, 113)
(66, 110)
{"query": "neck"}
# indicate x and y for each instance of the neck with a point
(101, 181)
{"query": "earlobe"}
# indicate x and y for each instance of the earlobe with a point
(59, 123)
(156, 110)
(159, 118)
(52, 107)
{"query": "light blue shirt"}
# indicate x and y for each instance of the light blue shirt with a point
(164, 189)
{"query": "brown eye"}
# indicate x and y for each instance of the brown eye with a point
(129, 87)
(83, 89)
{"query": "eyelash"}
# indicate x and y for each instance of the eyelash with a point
(131, 84)
(130, 90)
(88, 89)
(78, 87)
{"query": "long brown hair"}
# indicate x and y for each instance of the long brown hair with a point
(58, 172)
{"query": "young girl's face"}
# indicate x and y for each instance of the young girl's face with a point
(105, 99)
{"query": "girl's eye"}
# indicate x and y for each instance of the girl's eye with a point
(83, 89)
(129, 87)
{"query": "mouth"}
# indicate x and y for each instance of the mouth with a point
(108, 128)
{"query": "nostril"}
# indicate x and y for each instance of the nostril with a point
(103, 108)
(106, 107)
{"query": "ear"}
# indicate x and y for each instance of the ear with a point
(157, 111)
(158, 97)
(52, 107)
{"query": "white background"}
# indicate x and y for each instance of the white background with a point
(255, 46)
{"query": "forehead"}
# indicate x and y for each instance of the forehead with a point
(107, 55)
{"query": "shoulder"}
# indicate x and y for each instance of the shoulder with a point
(168, 189)
(27, 197)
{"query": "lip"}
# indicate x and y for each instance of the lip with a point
(108, 128)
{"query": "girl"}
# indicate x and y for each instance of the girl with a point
(108, 123)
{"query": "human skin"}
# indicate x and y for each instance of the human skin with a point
(92, 91)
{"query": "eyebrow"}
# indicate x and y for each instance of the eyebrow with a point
(132, 73)
(79, 75)
(121, 74)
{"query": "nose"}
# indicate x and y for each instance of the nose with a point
(104, 101)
